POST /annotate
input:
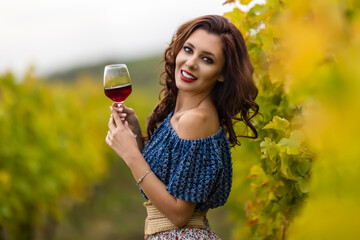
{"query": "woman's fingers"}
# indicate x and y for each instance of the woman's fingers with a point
(120, 107)
(108, 138)
(116, 117)
(109, 135)
(112, 121)
(111, 124)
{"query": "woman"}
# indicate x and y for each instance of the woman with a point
(185, 167)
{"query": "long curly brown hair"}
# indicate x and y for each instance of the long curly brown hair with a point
(236, 95)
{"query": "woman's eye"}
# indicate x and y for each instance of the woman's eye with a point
(187, 49)
(208, 60)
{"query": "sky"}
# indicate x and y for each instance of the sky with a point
(55, 35)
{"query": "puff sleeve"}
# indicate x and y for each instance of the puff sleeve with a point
(202, 174)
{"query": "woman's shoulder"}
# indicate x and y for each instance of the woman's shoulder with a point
(197, 123)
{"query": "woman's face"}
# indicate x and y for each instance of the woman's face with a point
(199, 63)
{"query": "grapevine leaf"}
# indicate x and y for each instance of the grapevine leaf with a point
(285, 167)
(280, 189)
(278, 123)
(269, 165)
(269, 149)
(267, 40)
(245, 2)
(303, 167)
(291, 145)
(304, 185)
(237, 17)
(298, 193)
(257, 10)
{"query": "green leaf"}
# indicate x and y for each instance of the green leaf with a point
(291, 145)
(303, 167)
(285, 167)
(304, 185)
(258, 10)
(269, 149)
(298, 193)
(278, 123)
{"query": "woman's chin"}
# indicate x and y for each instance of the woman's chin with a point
(182, 85)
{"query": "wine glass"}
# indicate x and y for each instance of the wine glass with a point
(117, 82)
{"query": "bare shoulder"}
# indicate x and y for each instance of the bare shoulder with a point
(197, 123)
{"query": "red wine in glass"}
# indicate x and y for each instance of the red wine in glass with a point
(118, 93)
(117, 82)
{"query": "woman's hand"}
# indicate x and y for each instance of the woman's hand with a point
(129, 115)
(120, 137)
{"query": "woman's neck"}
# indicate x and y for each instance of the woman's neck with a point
(186, 100)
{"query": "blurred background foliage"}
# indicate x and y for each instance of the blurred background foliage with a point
(59, 180)
(302, 180)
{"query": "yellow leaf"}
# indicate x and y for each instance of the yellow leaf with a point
(278, 123)
(237, 18)
(245, 2)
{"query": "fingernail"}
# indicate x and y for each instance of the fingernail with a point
(123, 114)
(120, 109)
(111, 108)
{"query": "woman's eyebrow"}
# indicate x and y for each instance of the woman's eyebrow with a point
(206, 52)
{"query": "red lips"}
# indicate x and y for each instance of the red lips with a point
(186, 79)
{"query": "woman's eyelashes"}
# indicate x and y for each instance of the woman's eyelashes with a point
(208, 60)
(190, 51)
(187, 49)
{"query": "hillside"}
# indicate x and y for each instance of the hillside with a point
(143, 72)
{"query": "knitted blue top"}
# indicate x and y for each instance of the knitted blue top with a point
(193, 170)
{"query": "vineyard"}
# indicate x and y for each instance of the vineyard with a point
(296, 181)
(301, 172)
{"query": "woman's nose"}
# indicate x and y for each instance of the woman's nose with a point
(191, 63)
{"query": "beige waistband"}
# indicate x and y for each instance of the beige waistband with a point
(156, 222)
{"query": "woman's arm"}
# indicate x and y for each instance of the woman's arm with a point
(121, 139)
(177, 210)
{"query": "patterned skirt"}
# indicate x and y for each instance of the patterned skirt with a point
(186, 234)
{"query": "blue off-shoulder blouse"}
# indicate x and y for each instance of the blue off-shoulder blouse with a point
(193, 170)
